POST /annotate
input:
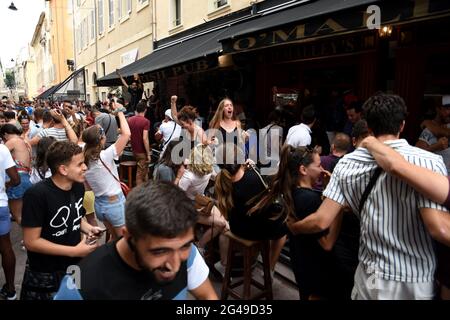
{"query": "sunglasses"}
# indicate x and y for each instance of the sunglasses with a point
(101, 132)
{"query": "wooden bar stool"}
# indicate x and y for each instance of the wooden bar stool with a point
(249, 250)
(127, 165)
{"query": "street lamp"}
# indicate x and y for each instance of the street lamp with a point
(12, 7)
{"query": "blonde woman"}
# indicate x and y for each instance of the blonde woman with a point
(194, 180)
(226, 125)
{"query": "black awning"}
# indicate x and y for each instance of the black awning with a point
(46, 93)
(71, 88)
(198, 45)
(182, 51)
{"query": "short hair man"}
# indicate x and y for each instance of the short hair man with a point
(139, 127)
(53, 220)
(154, 260)
(354, 111)
(396, 255)
(300, 135)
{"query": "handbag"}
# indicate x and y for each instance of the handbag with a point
(275, 209)
(125, 188)
(204, 204)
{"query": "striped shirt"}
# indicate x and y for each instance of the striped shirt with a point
(394, 242)
(58, 133)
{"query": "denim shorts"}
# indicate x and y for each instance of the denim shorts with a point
(5, 221)
(17, 192)
(111, 209)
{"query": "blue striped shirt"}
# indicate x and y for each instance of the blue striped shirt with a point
(394, 242)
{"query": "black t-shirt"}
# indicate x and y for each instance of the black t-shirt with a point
(135, 97)
(118, 281)
(310, 262)
(58, 213)
(255, 226)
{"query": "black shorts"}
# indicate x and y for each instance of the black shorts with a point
(443, 269)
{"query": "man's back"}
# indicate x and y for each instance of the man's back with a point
(394, 242)
(109, 124)
(299, 136)
(137, 126)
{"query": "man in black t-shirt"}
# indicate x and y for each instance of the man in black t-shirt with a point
(154, 260)
(53, 220)
(136, 89)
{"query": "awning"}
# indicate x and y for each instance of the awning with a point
(207, 44)
(46, 93)
(72, 88)
(185, 50)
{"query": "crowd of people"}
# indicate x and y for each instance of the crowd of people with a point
(360, 222)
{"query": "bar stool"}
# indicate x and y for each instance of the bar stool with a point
(128, 165)
(249, 250)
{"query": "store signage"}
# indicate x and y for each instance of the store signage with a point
(191, 67)
(350, 20)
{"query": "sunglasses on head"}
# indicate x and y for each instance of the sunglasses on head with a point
(101, 132)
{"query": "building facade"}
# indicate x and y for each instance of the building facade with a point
(109, 34)
(60, 20)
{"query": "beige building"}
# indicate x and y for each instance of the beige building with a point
(174, 16)
(110, 34)
(42, 76)
(61, 37)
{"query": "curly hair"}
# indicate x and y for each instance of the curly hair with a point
(385, 113)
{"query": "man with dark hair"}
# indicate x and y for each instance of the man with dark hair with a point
(53, 220)
(139, 127)
(354, 111)
(154, 260)
(61, 129)
(398, 225)
(300, 135)
(136, 90)
(359, 132)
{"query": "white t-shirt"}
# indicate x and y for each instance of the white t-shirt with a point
(35, 177)
(101, 181)
(193, 184)
(166, 129)
(299, 136)
(6, 162)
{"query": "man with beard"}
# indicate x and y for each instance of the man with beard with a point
(155, 258)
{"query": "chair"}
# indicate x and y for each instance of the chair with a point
(130, 165)
(249, 250)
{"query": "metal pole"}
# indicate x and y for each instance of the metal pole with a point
(96, 46)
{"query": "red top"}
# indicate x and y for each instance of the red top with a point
(137, 126)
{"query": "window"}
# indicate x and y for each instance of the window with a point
(104, 69)
(92, 25)
(129, 6)
(111, 13)
(87, 76)
(220, 3)
(88, 98)
(100, 16)
(176, 13)
(119, 9)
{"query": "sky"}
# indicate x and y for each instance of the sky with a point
(17, 27)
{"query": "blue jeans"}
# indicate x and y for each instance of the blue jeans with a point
(111, 209)
(5, 221)
(17, 192)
